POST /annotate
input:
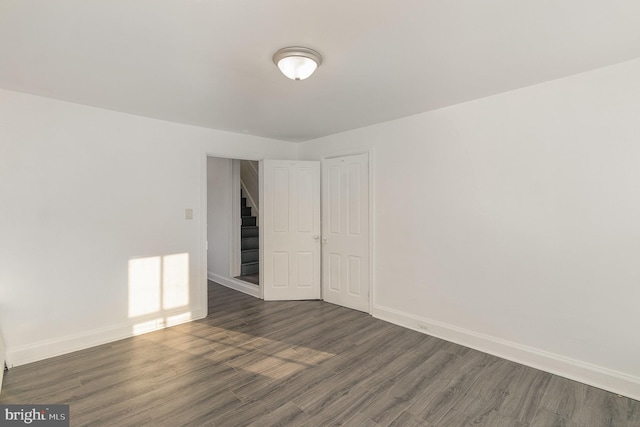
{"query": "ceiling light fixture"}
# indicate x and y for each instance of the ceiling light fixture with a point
(297, 63)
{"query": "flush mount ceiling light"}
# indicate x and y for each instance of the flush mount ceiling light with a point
(297, 63)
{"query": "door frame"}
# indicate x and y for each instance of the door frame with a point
(370, 151)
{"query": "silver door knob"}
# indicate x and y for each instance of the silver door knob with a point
(325, 239)
(316, 237)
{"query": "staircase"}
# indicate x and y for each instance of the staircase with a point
(249, 245)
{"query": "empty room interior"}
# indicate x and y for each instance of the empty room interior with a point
(314, 213)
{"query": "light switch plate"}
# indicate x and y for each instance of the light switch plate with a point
(188, 213)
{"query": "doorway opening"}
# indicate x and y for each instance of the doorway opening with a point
(249, 220)
(232, 232)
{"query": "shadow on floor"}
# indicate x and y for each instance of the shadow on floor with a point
(251, 278)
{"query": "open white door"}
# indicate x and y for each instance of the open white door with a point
(345, 231)
(290, 224)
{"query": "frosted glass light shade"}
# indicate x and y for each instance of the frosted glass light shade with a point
(297, 63)
(297, 67)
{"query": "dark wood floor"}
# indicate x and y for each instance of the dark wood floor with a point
(304, 363)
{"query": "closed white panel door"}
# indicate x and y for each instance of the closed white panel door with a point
(345, 235)
(290, 226)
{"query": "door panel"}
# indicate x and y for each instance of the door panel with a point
(333, 199)
(355, 268)
(354, 199)
(280, 269)
(290, 217)
(334, 272)
(280, 196)
(305, 269)
(345, 237)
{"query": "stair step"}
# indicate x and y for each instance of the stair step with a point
(249, 243)
(248, 221)
(249, 268)
(243, 202)
(246, 211)
(250, 255)
(249, 231)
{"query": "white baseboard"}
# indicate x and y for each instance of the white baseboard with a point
(41, 350)
(572, 369)
(238, 285)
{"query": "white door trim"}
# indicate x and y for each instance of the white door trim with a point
(261, 225)
(372, 220)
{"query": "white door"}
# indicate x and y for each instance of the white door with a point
(290, 230)
(345, 231)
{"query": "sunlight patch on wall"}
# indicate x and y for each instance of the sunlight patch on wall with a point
(159, 282)
(175, 281)
(144, 286)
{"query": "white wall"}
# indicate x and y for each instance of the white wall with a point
(219, 185)
(511, 223)
(84, 193)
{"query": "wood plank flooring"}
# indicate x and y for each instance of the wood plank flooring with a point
(256, 363)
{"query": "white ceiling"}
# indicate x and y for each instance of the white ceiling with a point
(208, 62)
